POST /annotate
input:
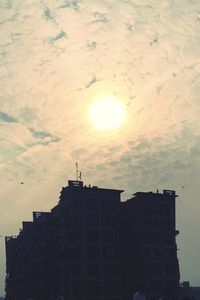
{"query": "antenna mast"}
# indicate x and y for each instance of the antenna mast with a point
(77, 171)
(78, 174)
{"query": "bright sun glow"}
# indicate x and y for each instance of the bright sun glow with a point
(107, 113)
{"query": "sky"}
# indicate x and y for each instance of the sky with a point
(56, 58)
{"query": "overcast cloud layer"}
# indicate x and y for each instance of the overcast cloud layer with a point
(56, 57)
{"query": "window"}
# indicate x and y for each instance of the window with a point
(150, 208)
(169, 253)
(154, 269)
(92, 204)
(110, 252)
(165, 209)
(151, 223)
(93, 270)
(111, 287)
(165, 224)
(110, 270)
(74, 236)
(74, 269)
(152, 238)
(171, 285)
(166, 238)
(108, 220)
(109, 236)
(170, 269)
(108, 204)
(153, 253)
(73, 288)
(155, 285)
(93, 252)
(93, 287)
(93, 236)
(74, 253)
(92, 220)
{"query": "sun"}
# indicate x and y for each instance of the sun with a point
(107, 113)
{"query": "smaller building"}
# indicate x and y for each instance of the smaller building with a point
(188, 292)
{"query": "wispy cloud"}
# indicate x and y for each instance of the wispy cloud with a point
(58, 36)
(48, 15)
(100, 18)
(44, 137)
(70, 4)
(7, 118)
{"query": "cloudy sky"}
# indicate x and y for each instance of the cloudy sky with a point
(56, 58)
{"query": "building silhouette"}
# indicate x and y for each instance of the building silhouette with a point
(188, 292)
(92, 246)
(150, 256)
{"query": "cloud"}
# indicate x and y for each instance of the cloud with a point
(58, 36)
(7, 118)
(70, 4)
(48, 15)
(100, 17)
(10, 151)
(92, 81)
(44, 137)
(92, 44)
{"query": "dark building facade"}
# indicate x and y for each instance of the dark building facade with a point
(188, 292)
(150, 257)
(92, 246)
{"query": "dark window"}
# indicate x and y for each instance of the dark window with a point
(109, 236)
(155, 285)
(74, 253)
(153, 253)
(151, 223)
(166, 238)
(93, 287)
(93, 236)
(165, 209)
(152, 238)
(169, 253)
(92, 204)
(171, 285)
(110, 270)
(111, 287)
(150, 208)
(108, 204)
(170, 269)
(93, 270)
(154, 269)
(73, 269)
(165, 224)
(93, 252)
(74, 236)
(92, 220)
(108, 220)
(110, 252)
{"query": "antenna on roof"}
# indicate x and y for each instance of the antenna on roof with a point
(78, 174)
(76, 171)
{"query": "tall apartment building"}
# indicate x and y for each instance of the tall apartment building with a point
(150, 251)
(92, 246)
(72, 252)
